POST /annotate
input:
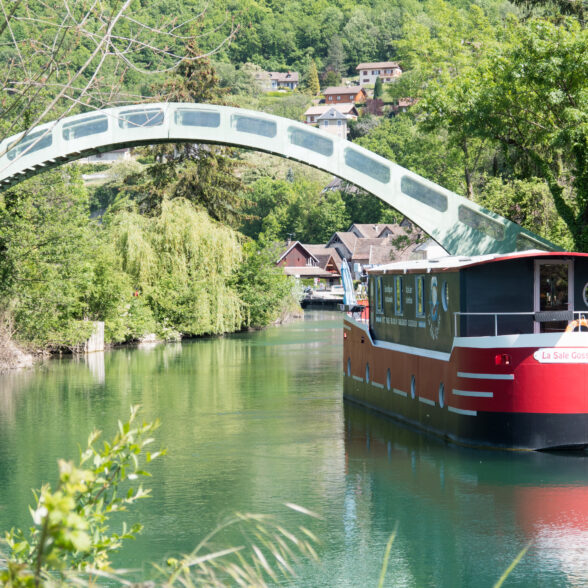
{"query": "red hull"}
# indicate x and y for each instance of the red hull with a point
(489, 391)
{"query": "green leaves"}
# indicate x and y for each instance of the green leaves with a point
(70, 524)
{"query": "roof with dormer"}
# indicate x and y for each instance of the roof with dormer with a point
(332, 114)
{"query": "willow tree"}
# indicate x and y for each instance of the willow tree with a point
(181, 264)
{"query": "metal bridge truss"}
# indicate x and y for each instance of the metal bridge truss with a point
(457, 224)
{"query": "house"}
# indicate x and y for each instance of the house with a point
(333, 122)
(373, 244)
(402, 105)
(347, 108)
(374, 231)
(387, 71)
(287, 80)
(341, 94)
(263, 79)
(311, 261)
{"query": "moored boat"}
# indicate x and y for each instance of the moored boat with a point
(487, 351)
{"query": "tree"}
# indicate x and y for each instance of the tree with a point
(532, 97)
(312, 80)
(331, 78)
(264, 288)
(46, 251)
(202, 174)
(378, 88)
(335, 60)
(181, 263)
(439, 51)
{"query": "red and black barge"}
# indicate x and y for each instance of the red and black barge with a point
(488, 351)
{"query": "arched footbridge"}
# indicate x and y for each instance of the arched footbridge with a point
(457, 224)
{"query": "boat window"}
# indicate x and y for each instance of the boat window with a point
(379, 294)
(412, 386)
(146, 117)
(92, 125)
(441, 394)
(398, 297)
(254, 125)
(349, 366)
(31, 143)
(424, 194)
(388, 379)
(585, 294)
(420, 296)
(311, 141)
(445, 296)
(434, 299)
(196, 118)
(481, 223)
(366, 165)
(367, 372)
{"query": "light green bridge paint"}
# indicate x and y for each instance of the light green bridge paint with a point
(457, 224)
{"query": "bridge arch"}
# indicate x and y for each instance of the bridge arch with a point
(456, 223)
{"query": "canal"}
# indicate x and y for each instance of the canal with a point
(254, 420)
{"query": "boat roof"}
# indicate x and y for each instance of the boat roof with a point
(453, 262)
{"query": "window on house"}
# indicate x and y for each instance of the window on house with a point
(338, 97)
(398, 297)
(420, 296)
(339, 123)
(365, 73)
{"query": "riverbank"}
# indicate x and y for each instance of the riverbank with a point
(12, 357)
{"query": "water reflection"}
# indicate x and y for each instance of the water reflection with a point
(95, 363)
(465, 514)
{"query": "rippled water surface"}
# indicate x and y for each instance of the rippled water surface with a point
(254, 420)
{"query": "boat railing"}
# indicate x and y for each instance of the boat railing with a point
(481, 324)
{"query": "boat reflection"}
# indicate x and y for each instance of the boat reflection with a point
(466, 514)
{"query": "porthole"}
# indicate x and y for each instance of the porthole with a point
(445, 296)
(441, 394)
(412, 387)
(388, 379)
(585, 294)
(349, 366)
(367, 372)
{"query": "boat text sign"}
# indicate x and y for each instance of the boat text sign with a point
(561, 355)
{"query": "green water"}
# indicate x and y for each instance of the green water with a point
(255, 420)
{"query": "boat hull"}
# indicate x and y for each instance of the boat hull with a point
(479, 394)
